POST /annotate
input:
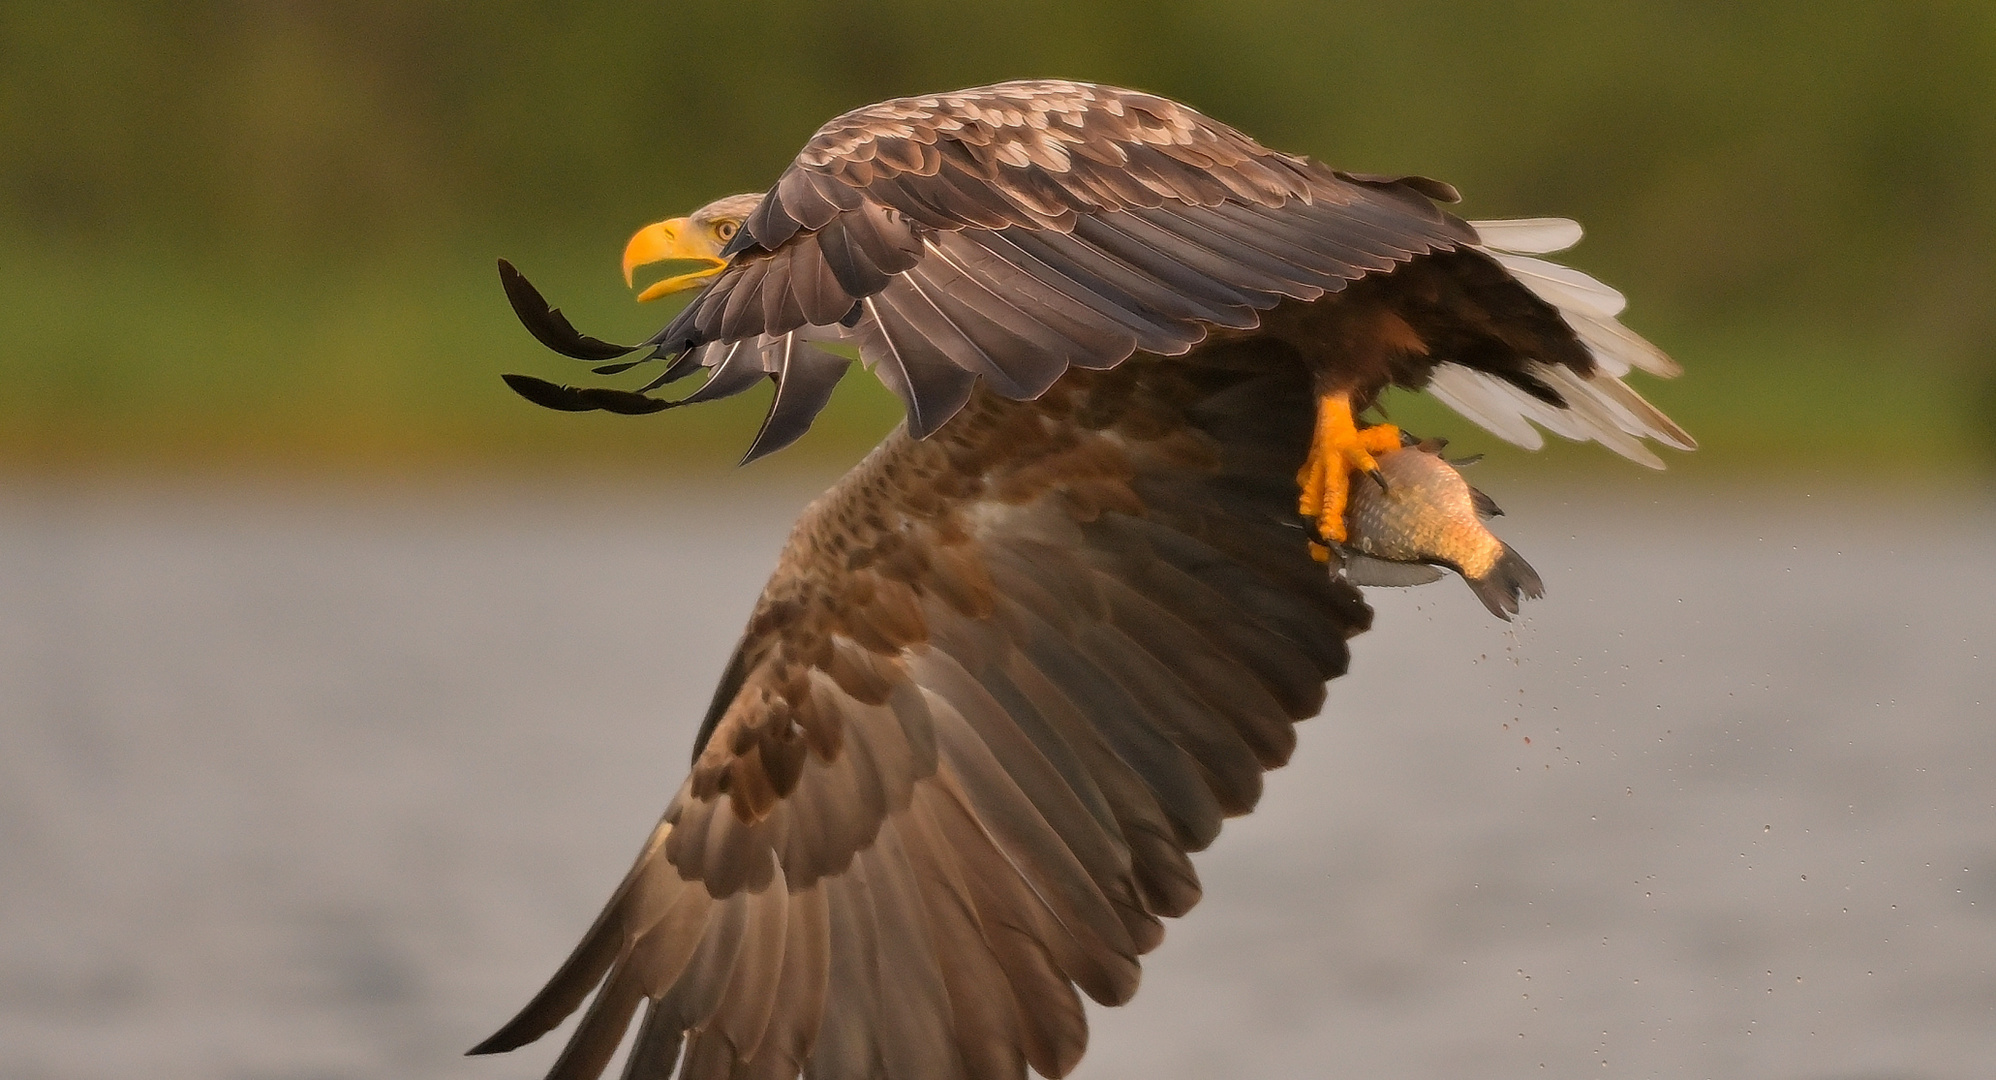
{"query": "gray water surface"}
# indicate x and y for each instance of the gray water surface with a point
(303, 785)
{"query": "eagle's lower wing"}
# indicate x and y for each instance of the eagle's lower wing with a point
(1002, 681)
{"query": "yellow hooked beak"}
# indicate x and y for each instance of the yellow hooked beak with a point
(680, 239)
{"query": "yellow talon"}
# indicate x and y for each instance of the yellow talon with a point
(1339, 449)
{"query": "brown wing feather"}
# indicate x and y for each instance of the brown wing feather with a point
(1037, 179)
(1002, 681)
(1008, 234)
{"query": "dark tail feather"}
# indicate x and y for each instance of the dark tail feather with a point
(1508, 581)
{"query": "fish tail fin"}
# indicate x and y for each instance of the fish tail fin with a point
(1509, 580)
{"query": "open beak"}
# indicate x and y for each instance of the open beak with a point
(672, 239)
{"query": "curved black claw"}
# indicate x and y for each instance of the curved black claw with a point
(584, 398)
(548, 325)
(1378, 478)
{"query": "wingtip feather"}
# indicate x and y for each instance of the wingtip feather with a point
(548, 325)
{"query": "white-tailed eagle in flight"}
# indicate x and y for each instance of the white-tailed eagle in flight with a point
(1036, 647)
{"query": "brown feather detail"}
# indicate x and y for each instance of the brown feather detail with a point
(742, 1014)
(1163, 294)
(998, 178)
(1024, 260)
(1241, 265)
(656, 1052)
(960, 191)
(1163, 873)
(735, 856)
(851, 1031)
(722, 999)
(828, 822)
(821, 299)
(1002, 681)
(1121, 723)
(960, 579)
(860, 672)
(1052, 1028)
(955, 335)
(692, 998)
(984, 1006)
(741, 317)
(1420, 185)
(1220, 685)
(930, 386)
(680, 934)
(938, 204)
(751, 788)
(659, 951)
(782, 306)
(888, 616)
(1040, 295)
(906, 156)
(885, 237)
(797, 1006)
(1219, 752)
(917, 1040)
(601, 1029)
(1090, 844)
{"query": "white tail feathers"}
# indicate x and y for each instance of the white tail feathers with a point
(1564, 287)
(1599, 407)
(1528, 236)
(1617, 348)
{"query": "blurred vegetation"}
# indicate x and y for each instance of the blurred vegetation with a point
(260, 233)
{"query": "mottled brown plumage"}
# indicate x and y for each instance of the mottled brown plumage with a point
(1002, 680)
(1013, 232)
(1037, 646)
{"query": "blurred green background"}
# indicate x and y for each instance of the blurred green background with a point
(260, 235)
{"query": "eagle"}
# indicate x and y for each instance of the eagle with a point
(1039, 644)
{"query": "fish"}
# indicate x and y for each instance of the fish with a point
(1423, 516)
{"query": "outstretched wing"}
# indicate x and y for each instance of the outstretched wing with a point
(1002, 682)
(1010, 233)
(1015, 231)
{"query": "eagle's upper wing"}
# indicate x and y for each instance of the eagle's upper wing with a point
(1012, 232)
(1002, 681)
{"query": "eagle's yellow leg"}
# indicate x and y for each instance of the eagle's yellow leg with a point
(1339, 449)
